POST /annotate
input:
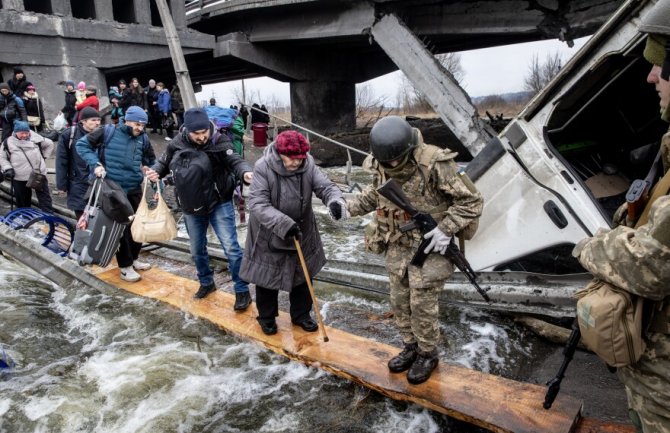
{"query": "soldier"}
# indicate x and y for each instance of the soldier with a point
(431, 180)
(637, 258)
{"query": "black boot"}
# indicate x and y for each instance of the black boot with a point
(404, 359)
(204, 291)
(242, 301)
(269, 327)
(423, 367)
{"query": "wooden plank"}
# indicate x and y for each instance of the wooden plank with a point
(492, 402)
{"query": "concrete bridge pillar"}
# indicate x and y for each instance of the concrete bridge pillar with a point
(16, 5)
(324, 106)
(142, 11)
(61, 7)
(104, 10)
(178, 13)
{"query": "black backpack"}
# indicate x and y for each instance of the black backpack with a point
(191, 170)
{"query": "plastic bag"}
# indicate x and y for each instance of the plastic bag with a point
(59, 122)
(153, 225)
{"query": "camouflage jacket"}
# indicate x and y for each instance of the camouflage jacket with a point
(636, 260)
(436, 186)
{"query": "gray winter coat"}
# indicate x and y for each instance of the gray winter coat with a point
(279, 198)
(36, 148)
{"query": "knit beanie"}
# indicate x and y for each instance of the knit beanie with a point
(81, 85)
(136, 114)
(152, 82)
(69, 83)
(91, 89)
(292, 144)
(18, 70)
(20, 125)
(5, 86)
(654, 51)
(89, 113)
(196, 119)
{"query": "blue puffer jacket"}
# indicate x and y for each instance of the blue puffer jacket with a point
(164, 105)
(123, 157)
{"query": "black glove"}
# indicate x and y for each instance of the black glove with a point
(294, 231)
(168, 180)
(9, 173)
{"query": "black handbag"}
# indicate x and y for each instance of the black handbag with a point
(36, 180)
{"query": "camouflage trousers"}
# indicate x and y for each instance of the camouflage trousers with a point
(416, 312)
(648, 386)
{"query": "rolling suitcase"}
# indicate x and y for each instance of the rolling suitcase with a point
(99, 240)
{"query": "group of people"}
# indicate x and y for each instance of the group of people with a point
(282, 182)
(22, 149)
(163, 107)
(19, 101)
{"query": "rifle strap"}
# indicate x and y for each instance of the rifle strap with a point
(660, 189)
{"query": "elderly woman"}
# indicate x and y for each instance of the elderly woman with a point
(23, 152)
(280, 203)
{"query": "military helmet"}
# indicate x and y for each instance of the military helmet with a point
(391, 138)
(657, 24)
(657, 20)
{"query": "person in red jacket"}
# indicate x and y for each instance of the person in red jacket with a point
(90, 101)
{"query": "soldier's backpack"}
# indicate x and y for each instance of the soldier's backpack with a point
(610, 321)
(196, 190)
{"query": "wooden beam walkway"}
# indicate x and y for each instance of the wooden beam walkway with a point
(492, 402)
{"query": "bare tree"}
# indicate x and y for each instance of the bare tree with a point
(411, 99)
(540, 74)
(369, 107)
(452, 63)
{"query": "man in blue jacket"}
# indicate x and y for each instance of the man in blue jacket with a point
(202, 161)
(123, 156)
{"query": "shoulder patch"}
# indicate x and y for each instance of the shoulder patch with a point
(229, 152)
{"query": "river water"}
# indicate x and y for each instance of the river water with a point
(83, 361)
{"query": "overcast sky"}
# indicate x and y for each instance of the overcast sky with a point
(487, 71)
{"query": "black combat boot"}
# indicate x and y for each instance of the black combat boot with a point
(404, 359)
(242, 301)
(204, 291)
(423, 367)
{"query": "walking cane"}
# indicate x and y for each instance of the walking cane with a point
(311, 289)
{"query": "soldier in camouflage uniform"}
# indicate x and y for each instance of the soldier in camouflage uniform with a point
(636, 257)
(431, 180)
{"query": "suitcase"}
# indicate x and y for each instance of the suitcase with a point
(99, 241)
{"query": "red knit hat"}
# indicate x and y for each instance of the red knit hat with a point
(292, 144)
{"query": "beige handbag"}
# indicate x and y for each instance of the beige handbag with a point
(153, 225)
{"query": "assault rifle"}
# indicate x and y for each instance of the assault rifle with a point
(638, 192)
(425, 222)
(554, 385)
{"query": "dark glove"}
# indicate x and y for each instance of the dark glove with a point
(338, 210)
(168, 180)
(294, 231)
(9, 173)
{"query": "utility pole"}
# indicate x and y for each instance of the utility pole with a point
(178, 60)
